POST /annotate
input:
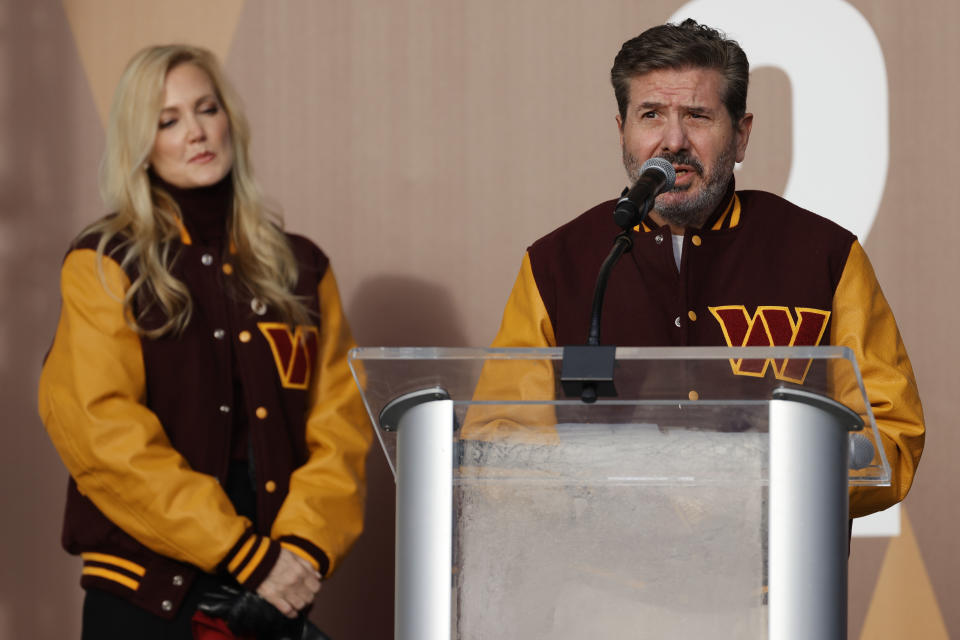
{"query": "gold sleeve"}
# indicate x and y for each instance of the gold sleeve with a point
(91, 396)
(863, 321)
(323, 511)
(525, 324)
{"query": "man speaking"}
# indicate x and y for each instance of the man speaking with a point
(708, 262)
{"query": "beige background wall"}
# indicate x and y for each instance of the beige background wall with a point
(424, 144)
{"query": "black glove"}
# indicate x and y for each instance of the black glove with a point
(246, 613)
(311, 632)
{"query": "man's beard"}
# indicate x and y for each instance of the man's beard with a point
(691, 212)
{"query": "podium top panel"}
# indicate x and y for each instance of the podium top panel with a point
(513, 393)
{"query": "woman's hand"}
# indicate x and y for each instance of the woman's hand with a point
(291, 585)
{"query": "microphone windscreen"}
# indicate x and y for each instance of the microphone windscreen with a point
(861, 451)
(665, 167)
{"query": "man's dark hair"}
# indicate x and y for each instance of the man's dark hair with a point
(686, 45)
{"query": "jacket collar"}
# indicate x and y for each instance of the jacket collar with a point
(204, 211)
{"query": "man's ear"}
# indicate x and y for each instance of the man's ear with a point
(743, 135)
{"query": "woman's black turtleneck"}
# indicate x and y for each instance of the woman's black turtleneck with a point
(205, 212)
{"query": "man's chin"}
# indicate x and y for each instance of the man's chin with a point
(676, 210)
(673, 201)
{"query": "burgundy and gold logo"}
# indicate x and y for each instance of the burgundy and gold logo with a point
(294, 352)
(771, 327)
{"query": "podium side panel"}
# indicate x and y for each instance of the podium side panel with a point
(808, 523)
(424, 537)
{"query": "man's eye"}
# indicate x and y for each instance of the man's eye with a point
(649, 114)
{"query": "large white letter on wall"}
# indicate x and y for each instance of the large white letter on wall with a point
(840, 107)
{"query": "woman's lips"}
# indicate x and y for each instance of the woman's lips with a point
(203, 158)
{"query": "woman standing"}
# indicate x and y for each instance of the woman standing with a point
(197, 388)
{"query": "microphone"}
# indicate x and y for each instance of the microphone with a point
(861, 451)
(656, 176)
(587, 370)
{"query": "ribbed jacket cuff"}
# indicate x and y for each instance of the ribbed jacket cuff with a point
(308, 551)
(251, 559)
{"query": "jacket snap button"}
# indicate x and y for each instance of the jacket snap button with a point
(178, 581)
(206, 259)
(166, 605)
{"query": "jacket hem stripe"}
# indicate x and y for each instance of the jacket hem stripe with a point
(106, 558)
(107, 574)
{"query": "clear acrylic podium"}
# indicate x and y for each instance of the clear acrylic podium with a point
(708, 498)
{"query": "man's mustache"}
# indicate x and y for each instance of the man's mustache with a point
(683, 159)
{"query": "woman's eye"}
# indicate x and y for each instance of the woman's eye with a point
(165, 124)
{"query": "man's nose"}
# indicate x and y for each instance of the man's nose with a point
(674, 135)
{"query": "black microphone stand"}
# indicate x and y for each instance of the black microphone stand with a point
(587, 370)
(621, 244)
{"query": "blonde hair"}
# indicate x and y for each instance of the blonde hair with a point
(146, 217)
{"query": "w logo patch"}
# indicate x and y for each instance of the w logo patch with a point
(293, 353)
(771, 327)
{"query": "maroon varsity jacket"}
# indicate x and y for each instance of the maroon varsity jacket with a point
(760, 272)
(144, 427)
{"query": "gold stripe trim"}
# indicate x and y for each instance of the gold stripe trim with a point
(292, 548)
(184, 234)
(106, 558)
(100, 572)
(719, 223)
(241, 554)
(255, 561)
(735, 216)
